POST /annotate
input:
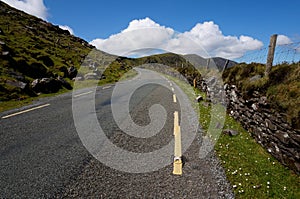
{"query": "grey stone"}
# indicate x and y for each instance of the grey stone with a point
(230, 132)
(199, 98)
(270, 125)
(17, 84)
(255, 78)
(5, 53)
(72, 72)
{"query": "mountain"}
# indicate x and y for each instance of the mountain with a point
(218, 62)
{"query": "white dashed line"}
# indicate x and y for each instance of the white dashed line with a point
(106, 87)
(174, 98)
(173, 89)
(25, 111)
(83, 94)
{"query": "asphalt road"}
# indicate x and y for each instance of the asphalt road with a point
(76, 147)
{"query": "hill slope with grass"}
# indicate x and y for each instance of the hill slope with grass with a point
(31, 48)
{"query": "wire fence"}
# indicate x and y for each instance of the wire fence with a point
(287, 53)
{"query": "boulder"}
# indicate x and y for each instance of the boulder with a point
(230, 132)
(72, 72)
(64, 83)
(199, 98)
(255, 78)
(17, 84)
(46, 85)
(5, 53)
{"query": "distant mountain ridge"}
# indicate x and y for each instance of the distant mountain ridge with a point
(213, 62)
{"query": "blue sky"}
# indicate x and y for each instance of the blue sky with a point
(229, 20)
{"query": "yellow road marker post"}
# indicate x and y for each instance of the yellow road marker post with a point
(177, 164)
(174, 98)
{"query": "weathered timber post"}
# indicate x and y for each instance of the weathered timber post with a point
(207, 64)
(271, 53)
(195, 82)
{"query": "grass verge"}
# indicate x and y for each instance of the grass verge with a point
(252, 172)
(7, 105)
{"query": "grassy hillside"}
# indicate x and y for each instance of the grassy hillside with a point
(282, 88)
(31, 48)
(177, 62)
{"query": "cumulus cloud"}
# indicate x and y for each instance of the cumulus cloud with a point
(67, 28)
(283, 40)
(33, 7)
(205, 39)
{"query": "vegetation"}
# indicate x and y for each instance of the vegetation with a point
(252, 172)
(282, 87)
(31, 48)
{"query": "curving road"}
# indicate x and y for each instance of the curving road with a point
(46, 152)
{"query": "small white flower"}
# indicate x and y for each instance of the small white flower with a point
(267, 173)
(246, 179)
(268, 187)
(273, 163)
(268, 182)
(284, 188)
(240, 184)
(254, 187)
(234, 186)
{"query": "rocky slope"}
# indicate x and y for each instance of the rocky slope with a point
(33, 50)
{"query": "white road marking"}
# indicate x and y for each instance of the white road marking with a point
(25, 111)
(173, 89)
(106, 87)
(83, 94)
(174, 98)
(171, 84)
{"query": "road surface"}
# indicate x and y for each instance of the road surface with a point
(44, 154)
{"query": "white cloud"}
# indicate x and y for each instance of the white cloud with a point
(283, 40)
(33, 7)
(67, 28)
(205, 39)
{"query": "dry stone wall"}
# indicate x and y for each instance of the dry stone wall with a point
(269, 128)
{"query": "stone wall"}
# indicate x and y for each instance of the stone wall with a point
(269, 128)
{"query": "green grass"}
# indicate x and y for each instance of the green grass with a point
(252, 172)
(12, 104)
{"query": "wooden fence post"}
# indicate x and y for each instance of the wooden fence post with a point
(271, 53)
(207, 64)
